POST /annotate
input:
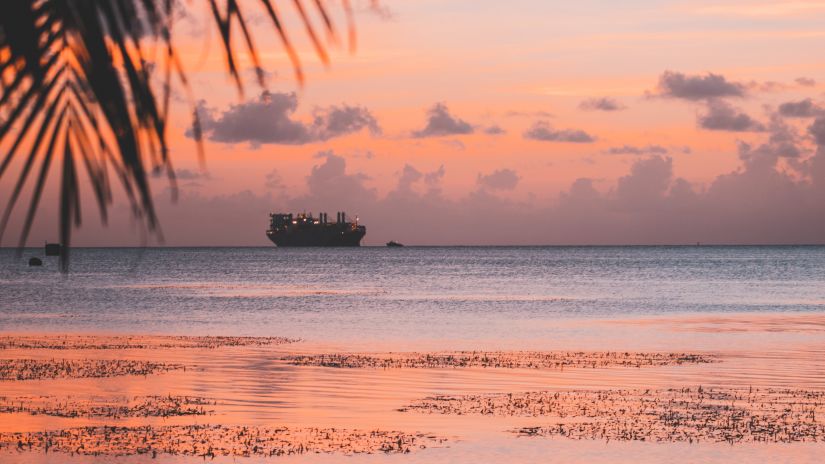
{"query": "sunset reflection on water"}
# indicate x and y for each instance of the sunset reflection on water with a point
(257, 386)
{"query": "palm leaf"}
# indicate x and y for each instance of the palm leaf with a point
(60, 90)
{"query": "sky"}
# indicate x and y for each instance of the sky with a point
(481, 122)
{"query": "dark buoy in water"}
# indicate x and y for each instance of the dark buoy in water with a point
(35, 261)
(52, 249)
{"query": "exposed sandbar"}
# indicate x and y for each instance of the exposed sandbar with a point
(664, 415)
(38, 369)
(115, 408)
(209, 441)
(131, 342)
(501, 359)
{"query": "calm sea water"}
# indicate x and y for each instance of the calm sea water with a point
(456, 293)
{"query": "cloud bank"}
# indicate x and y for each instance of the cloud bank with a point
(270, 120)
(697, 87)
(765, 200)
(500, 179)
(805, 81)
(601, 104)
(801, 109)
(440, 123)
(634, 150)
(722, 116)
(542, 131)
(494, 130)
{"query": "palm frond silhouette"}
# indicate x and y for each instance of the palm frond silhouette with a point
(75, 80)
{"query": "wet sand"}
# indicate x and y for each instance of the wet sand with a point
(130, 342)
(115, 408)
(660, 415)
(500, 360)
(209, 441)
(36, 369)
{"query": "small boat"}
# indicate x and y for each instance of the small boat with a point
(53, 249)
(393, 243)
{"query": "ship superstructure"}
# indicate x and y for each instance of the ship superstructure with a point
(304, 230)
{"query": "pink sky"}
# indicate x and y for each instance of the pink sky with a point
(521, 122)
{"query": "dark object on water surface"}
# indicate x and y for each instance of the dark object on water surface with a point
(302, 230)
(35, 261)
(393, 243)
(53, 249)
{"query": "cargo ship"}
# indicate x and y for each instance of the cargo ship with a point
(303, 230)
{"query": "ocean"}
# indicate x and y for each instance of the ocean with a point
(467, 295)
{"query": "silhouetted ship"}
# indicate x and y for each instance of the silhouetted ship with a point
(302, 230)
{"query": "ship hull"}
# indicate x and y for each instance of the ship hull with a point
(317, 238)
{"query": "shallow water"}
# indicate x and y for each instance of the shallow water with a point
(252, 387)
(761, 309)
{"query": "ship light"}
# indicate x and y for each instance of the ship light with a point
(295, 222)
